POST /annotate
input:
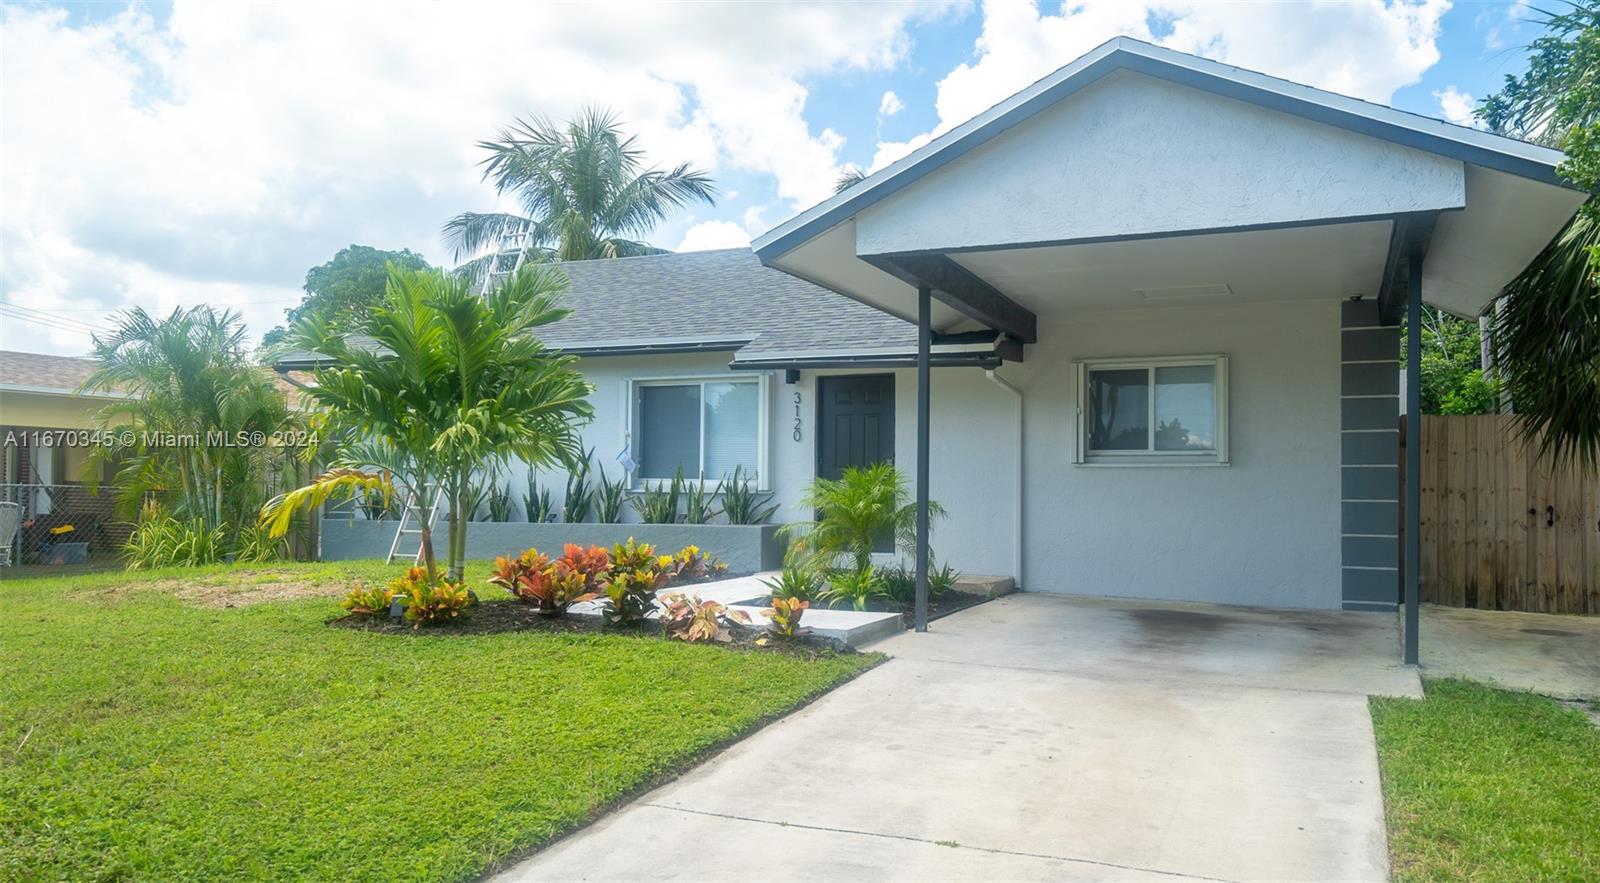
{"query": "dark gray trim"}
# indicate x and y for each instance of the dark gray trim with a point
(950, 360)
(893, 180)
(1372, 518)
(924, 364)
(1413, 483)
(1370, 483)
(1370, 606)
(962, 290)
(1371, 379)
(1378, 413)
(1369, 586)
(1370, 551)
(1410, 236)
(1358, 312)
(1369, 448)
(1370, 344)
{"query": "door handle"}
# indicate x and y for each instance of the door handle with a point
(1549, 516)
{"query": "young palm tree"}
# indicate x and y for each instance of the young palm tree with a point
(445, 389)
(583, 191)
(187, 377)
(854, 514)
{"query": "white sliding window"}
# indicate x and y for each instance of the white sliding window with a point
(1167, 411)
(705, 427)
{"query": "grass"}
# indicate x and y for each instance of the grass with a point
(1484, 784)
(145, 737)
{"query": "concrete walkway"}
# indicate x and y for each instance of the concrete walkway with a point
(1556, 655)
(1045, 737)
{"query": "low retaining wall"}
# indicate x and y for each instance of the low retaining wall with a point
(746, 547)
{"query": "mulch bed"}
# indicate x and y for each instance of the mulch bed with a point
(946, 604)
(494, 617)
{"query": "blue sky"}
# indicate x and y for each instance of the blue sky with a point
(174, 153)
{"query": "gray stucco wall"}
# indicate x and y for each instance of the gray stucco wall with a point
(746, 548)
(1369, 458)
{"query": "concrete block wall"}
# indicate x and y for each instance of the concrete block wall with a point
(1369, 444)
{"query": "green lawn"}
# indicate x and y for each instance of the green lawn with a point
(1484, 784)
(144, 736)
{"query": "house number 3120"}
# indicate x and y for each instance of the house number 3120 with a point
(797, 415)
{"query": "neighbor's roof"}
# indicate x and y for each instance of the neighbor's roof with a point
(38, 372)
(705, 301)
(1123, 53)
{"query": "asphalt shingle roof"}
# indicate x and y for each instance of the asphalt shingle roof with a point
(715, 295)
(64, 373)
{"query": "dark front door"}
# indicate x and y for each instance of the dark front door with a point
(855, 422)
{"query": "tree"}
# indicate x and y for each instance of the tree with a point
(583, 190)
(443, 389)
(850, 177)
(1453, 381)
(1546, 331)
(187, 391)
(856, 512)
(352, 281)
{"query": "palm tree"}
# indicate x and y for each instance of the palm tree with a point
(856, 512)
(1545, 336)
(849, 177)
(188, 390)
(583, 191)
(446, 388)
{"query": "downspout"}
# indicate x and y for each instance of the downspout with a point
(1016, 539)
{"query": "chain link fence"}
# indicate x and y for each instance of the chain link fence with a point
(61, 524)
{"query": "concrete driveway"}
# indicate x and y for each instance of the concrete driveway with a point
(1046, 737)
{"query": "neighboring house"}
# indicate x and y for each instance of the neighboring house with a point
(1163, 297)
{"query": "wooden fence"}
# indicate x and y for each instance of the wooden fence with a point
(1501, 529)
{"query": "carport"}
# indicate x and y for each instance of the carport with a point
(1144, 224)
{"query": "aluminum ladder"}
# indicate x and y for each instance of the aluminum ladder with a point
(425, 512)
(513, 245)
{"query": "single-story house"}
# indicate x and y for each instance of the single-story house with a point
(1163, 296)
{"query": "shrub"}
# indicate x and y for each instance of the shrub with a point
(785, 614)
(794, 581)
(536, 503)
(634, 577)
(579, 500)
(855, 586)
(658, 503)
(941, 580)
(553, 585)
(742, 503)
(159, 540)
(699, 504)
(429, 603)
(370, 602)
(694, 620)
(608, 499)
(900, 583)
(500, 503)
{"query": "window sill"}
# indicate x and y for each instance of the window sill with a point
(1159, 462)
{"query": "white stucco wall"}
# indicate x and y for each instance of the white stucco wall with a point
(1264, 530)
(1133, 154)
(973, 447)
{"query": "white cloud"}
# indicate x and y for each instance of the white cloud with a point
(220, 153)
(890, 104)
(709, 235)
(1457, 106)
(1366, 49)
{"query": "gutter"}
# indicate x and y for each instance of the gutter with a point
(1016, 540)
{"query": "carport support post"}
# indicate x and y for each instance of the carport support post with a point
(924, 346)
(1413, 479)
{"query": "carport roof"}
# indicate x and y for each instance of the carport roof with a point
(1517, 201)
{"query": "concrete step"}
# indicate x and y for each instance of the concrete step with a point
(987, 586)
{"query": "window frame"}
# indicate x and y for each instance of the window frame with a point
(630, 427)
(1149, 456)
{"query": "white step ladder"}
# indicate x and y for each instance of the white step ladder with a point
(424, 512)
(509, 256)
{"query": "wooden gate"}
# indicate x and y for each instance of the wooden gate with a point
(1502, 530)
